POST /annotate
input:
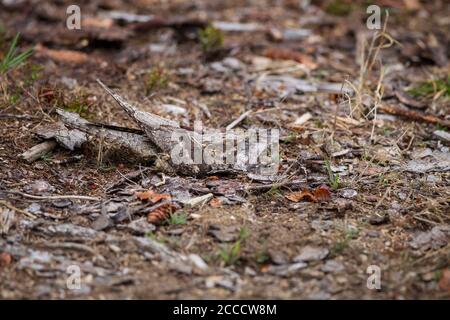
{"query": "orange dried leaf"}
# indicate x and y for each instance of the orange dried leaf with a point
(322, 193)
(144, 195)
(97, 22)
(287, 54)
(215, 202)
(300, 195)
(68, 56)
(5, 259)
(264, 268)
(152, 196)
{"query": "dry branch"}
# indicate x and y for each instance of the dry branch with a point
(414, 115)
(75, 132)
(38, 151)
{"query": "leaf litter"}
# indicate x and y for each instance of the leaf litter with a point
(362, 177)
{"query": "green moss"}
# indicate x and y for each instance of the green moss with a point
(177, 218)
(231, 254)
(338, 8)
(333, 179)
(80, 105)
(432, 87)
(343, 241)
(262, 255)
(154, 237)
(211, 39)
(156, 79)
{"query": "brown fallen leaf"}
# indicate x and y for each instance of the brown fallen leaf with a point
(322, 193)
(5, 259)
(67, 56)
(412, 4)
(287, 54)
(97, 22)
(215, 203)
(264, 268)
(152, 196)
(300, 195)
(444, 282)
(161, 214)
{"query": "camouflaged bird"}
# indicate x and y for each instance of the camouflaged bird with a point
(233, 151)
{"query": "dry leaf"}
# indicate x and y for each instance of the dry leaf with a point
(5, 259)
(287, 54)
(300, 195)
(152, 196)
(444, 283)
(322, 193)
(68, 56)
(160, 214)
(264, 268)
(97, 22)
(215, 202)
(412, 4)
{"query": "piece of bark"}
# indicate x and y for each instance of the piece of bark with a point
(6, 220)
(68, 138)
(115, 144)
(75, 132)
(194, 202)
(39, 150)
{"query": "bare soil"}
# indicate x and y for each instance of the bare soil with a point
(385, 209)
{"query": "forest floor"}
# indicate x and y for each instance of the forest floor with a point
(363, 180)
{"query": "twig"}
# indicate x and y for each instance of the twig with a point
(163, 182)
(18, 116)
(285, 184)
(414, 115)
(129, 176)
(388, 190)
(69, 245)
(10, 206)
(38, 151)
(126, 179)
(74, 197)
(238, 120)
(68, 160)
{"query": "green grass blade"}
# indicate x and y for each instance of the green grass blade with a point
(10, 60)
(20, 58)
(12, 49)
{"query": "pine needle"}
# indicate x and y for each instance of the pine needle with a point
(10, 61)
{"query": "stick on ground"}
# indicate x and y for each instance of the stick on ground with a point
(38, 151)
(414, 115)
